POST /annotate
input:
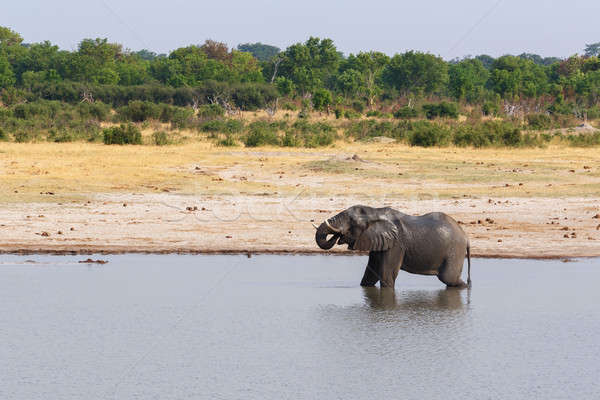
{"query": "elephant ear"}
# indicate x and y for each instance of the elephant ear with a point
(380, 235)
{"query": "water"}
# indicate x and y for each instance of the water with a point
(277, 327)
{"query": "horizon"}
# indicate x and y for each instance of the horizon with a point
(464, 28)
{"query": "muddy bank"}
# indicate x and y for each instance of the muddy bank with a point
(542, 228)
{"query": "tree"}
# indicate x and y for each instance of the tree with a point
(486, 60)
(349, 82)
(513, 76)
(417, 73)
(467, 80)
(370, 66)
(322, 99)
(216, 51)
(284, 86)
(592, 49)
(8, 37)
(260, 51)
(7, 77)
(311, 64)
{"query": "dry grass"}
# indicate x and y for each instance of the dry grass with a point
(77, 170)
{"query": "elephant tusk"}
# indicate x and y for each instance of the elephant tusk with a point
(316, 227)
(331, 227)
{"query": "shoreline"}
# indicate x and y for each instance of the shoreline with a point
(107, 252)
(524, 228)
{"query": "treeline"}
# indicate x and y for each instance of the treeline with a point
(254, 76)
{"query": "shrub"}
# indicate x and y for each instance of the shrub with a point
(584, 139)
(139, 111)
(322, 99)
(123, 134)
(358, 106)
(374, 113)
(229, 141)
(406, 113)
(339, 113)
(290, 107)
(539, 121)
(211, 111)
(160, 138)
(351, 114)
(427, 134)
(96, 110)
(60, 136)
(490, 108)
(261, 133)
(372, 128)
(3, 135)
(442, 109)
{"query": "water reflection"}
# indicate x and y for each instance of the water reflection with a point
(389, 299)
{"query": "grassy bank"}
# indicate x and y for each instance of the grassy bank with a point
(75, 170)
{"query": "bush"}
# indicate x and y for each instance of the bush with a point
(3, 135)
(211, 111)
(492, 133)
(290, 107)
(374, 113)
(442, 109)
(123, 134)
(303, 133)
(139, 111)
(229, 141)
(160, 138)
(406, 113)
(539, 121)
(96, 110)
(490, 108)
(358, 106)
(351, 114)
(371, 128)
(584, 139)
(260, 134)
(427, 134)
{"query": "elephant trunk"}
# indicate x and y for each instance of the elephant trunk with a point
(321, 236)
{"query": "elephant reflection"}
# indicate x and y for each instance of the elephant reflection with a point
(388, 299)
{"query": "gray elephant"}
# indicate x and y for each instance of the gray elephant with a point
(431, 244)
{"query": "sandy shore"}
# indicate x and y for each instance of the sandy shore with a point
(158, 223)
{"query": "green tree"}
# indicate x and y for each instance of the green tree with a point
(322, 99)
(513, 76)
(592, 50)
(284, 86)
(7, 77)
(262, 52)
(8, 37)
(350, 82)
(311, 64)
(467, 80)
(417, 73)
(370, 65)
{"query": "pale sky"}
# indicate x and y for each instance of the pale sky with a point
(446, 28)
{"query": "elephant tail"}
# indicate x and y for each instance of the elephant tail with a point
(469, 264)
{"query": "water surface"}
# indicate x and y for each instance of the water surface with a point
(273, 327)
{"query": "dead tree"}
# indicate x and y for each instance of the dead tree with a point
(87, 97)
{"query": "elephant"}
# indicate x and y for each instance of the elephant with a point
(430, 244)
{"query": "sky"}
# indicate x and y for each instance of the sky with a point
(446, 28)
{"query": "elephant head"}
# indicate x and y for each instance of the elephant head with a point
(362, 228)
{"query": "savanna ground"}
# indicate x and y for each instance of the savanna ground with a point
(198, 197)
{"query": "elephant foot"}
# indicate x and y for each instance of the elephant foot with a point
(459, 285)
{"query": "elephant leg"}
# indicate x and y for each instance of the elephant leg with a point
(390, 265)
(373, 271)
(451, 271)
